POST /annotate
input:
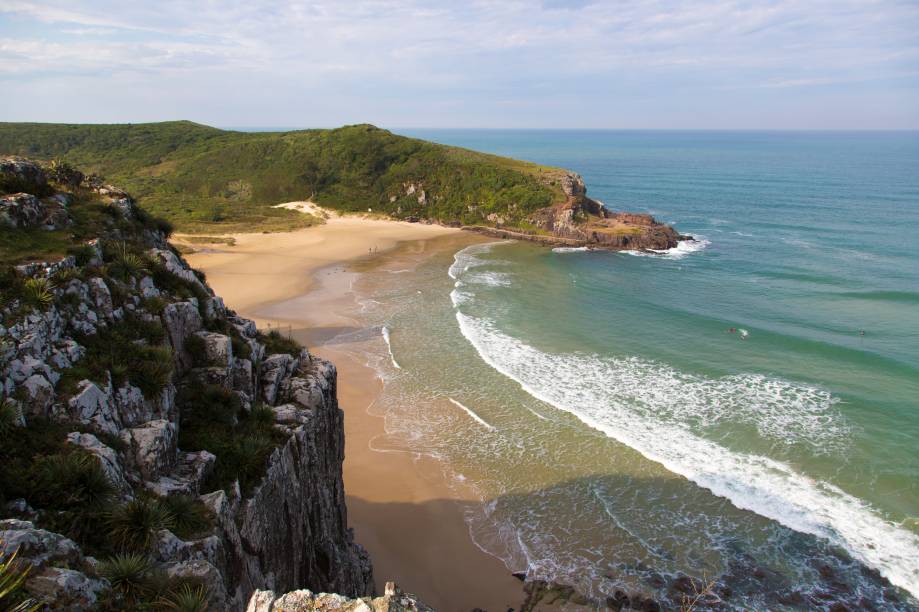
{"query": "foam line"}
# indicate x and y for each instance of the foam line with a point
(385, 332)
(476, 417)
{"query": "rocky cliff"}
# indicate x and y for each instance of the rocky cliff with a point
(157, 446)
(582, 222)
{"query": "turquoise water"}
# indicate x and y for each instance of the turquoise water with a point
(622, 434)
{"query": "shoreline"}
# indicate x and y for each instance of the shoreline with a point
(400, 505)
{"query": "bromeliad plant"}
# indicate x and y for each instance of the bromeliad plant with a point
(12, 579)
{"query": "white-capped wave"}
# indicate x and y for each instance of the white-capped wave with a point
(571, 249)
(660, 412)
(474, 416)
(464, 259)
(385, 333)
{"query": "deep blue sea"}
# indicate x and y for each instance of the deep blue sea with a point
(623, 434)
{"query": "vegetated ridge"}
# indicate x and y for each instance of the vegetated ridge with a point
(206, 179)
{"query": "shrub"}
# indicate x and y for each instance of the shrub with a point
(155, 305)
(262, 416)
(72, 484)
(10, 416)
(124, 263)
(38, 292)
(209, 404)
(65, 275)
(83, 254)
(276, 343)
(130, 350)
(128, 574)
(197, 348)
(212, 420)
(191, 517)
(71, 480)
(241, 348)
(187, 598)
(134, 525)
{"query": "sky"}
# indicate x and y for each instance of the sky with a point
(659, 64)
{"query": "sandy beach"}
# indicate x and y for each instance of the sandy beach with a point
(399, 504)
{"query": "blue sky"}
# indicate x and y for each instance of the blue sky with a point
(649, 64)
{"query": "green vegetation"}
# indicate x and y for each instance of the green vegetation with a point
(213, 420)
(275, 342)
(134, 525)
(132, 350)
(205, 179)
(12, 577)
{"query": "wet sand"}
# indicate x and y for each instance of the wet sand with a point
(402, 509)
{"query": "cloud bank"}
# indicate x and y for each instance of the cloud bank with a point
(480, 63)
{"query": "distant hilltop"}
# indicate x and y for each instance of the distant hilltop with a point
(206, 179)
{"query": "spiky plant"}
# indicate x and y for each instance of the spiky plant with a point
(126, 264)
(187, 598)
(262, 416)
(72, 481)
(129, 574)
(38, 292)
(191, 517)
(12, 578)
(65, 275)
(134, 525)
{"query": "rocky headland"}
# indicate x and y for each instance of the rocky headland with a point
(580, 221)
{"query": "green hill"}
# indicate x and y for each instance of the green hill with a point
(207, 179)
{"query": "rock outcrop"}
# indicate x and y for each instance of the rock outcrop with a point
(580, 221)
(286, 531)
(393, 600)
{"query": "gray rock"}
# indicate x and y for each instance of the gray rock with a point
(39, 395)
(102, 298)
(186, 477)
(66, 589)
(93, 405)
(181, 319)
(204, 572)
(152, 448)
(107, 458)
(20, 174)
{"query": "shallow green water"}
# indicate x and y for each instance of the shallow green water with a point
(619, 434)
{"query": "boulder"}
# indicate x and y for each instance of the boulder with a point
(21, 210)
(20, 174)
(186, 477)
(152, 448)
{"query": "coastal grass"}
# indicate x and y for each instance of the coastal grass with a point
(207, 180)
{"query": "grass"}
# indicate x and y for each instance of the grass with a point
(134, 525)
(275, 342)
(130, 350)
(209, 180)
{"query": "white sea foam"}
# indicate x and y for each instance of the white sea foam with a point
(571, 249)
(466, 258)
(474, 416)
(491, 279)
(385, 332)
(661, 413)
(681, 250)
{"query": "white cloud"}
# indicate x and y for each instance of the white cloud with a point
(414, 51)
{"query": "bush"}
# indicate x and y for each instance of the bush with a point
(276, 343)
(155, 305)
(191, 517)
(129, 574)
(241, 348)
(123, 262)
(187, 598)
(212, 420)
(71, 480)
(197, 348)
(38, 292)
(83, 254)
(134, 525)
(131, 351)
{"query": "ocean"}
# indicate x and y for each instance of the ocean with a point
(744, 408)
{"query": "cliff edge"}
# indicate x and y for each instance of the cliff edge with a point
(157, 446)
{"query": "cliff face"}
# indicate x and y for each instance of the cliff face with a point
(114, 358)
